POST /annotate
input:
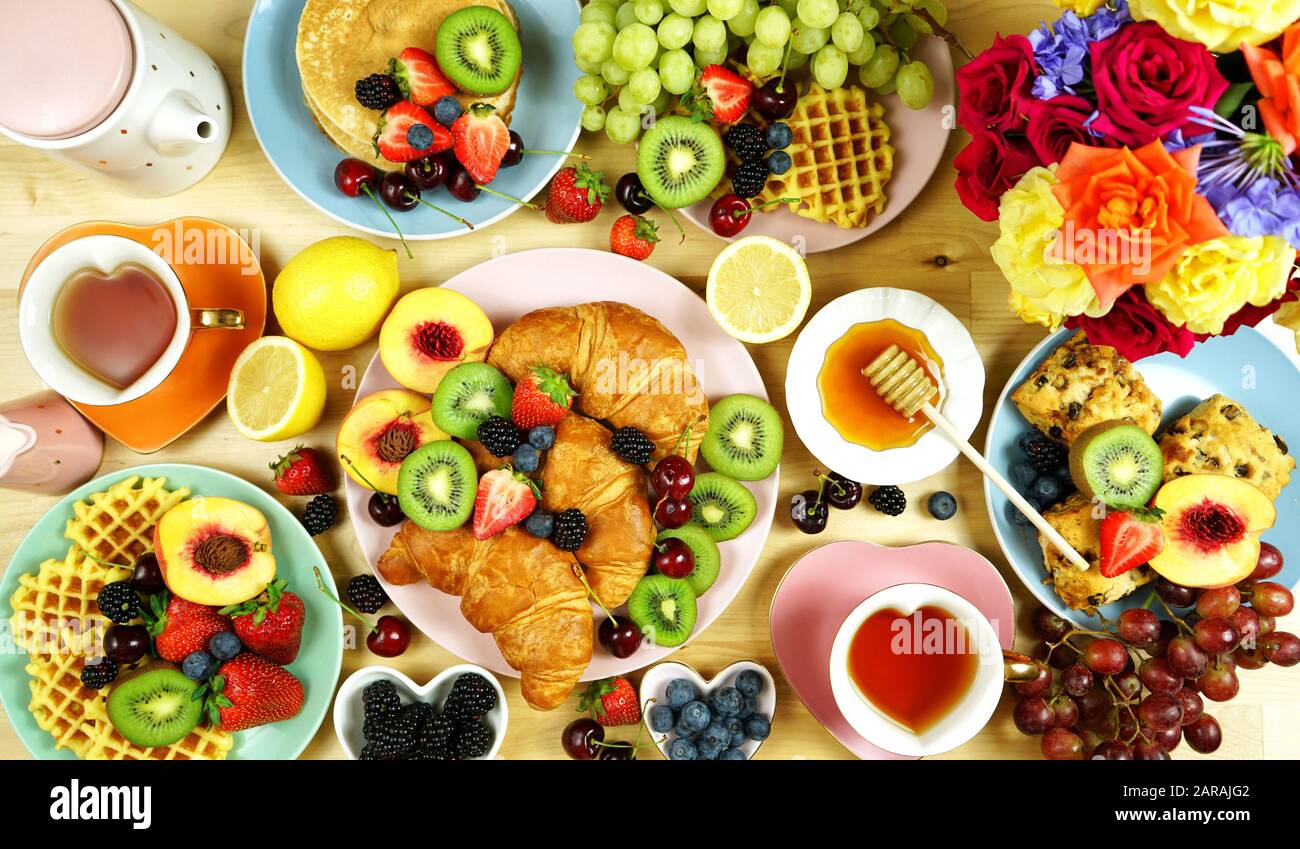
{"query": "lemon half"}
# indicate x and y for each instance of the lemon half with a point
(277, 390)
(759, 289)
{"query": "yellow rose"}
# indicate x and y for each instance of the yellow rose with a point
(1213, 280)
(1082, 8)
(1044, 290)
(1221, 25)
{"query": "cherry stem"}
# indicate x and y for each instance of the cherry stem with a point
(483, 188)
(686, 434)
(364, 479)
(582, 578)
(677, 224)
(365, 188)
(320, 585)
(101, 561)
(418, 199)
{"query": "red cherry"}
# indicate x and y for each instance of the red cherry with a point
(352, 176)
(674, 558)
(391, 637)
(730, 215)
(428, 173)
(125, 644)
(673, 512)
(621, 637)
(673, 476)
(582, 738)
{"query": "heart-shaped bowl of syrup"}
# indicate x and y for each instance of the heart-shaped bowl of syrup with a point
(654, 685)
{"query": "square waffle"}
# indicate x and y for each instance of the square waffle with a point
(117, 525)
(54, 607)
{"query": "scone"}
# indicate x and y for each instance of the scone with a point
(1084, 590)
(1219, 437)
(1081, 385)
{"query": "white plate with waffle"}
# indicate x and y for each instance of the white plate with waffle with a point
(919, 138)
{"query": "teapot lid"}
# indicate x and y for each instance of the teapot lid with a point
(65, 65)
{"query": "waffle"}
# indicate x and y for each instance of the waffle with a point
(842, 158)
(117, 526)
(54, 607)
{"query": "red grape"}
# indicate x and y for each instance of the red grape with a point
(1267, 624)
(1270, 599)
(1077, 680)
(1139, 626)
(1219, 683)
(1049, 627)
(1204, 735)
(1112, 750)
(1129, 684)
(1062, 657)
(1094, 705)
(1186, 658)
(1168, 630)
(1151, 751)
(1216, 636)
(1269, 563)
(1175, 595)
(1192, 704)
(1249, 658)
(1169, 740)
(1033, 715)
(1161, 711)
(1040, 686)
(1218, 603)
(1061, 744)
(1066, 712)
(1281, 648)
(1158, 677)
(1105, 656)
(1246, 621)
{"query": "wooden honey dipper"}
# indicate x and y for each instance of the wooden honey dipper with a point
(907, 387)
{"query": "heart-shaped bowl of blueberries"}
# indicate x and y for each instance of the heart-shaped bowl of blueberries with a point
(725, 718)
(381, 714)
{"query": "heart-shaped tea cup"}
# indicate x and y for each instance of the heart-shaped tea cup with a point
(349, 715)
(654, 685)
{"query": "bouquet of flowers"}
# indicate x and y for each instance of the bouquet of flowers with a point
(1140, 160)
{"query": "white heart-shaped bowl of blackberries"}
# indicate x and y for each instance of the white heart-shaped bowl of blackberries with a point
(655, 685)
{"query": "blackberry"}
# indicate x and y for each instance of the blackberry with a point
(471, 697)
(373, 727)
(378, 91)
(889, 500)
(632, 446)
(750, 179)
(474, 740)
(396, 738)
(320, 515)
(570, 530)
(499, 436)
(368, 753)
(99, 674)
(432, 753)
(436, 732)
(380, 698)
(119, 602)
(1047, 456)
(366, 594)
(747, 141)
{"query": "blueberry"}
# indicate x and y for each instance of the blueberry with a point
(749, 682)
(1047, 489)
(732, 754)
(679, 692)
(758, 727)
(942, 505)
(542, 437)
(730, 701)
(717, 733)
(682, 749)
(199, 666)
(1028, 438)
(779, 162)
(779, 136)
(751, 706)
(696, 715)
(736, 729)
(1023, 474)
(446, 111)
(224, 645)
(419, 137)
(540, 523)
(662, 719)
(684, 731)
(526, 458)
(709, 750)
(1015, 517)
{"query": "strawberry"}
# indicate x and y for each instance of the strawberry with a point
(612, 701)
(393, 138)
(181, 627)
(481, 140)
(543, 397)
(420, 78)
(721, 96)
(576, 195)
(1129, 539)
(270, 624)
(248, 691)
(302, 472)
(634, 236)
(505, 497)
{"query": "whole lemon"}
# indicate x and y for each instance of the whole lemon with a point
(334, 294)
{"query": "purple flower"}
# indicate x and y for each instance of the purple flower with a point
(1175, 141)
(1264, 208)
(1061, 49)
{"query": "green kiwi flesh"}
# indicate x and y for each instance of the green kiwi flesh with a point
(722, 506)
(1117, 462)
(744, 438)
(708, 562)
(680, 162)
(436, 485)
(478, 49)
(664, 609)
(154, 705)
(468, 395)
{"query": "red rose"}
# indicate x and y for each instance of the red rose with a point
(1146, 82)
(996, 89)
(987, 167)
(1056, 124)
(1135, 329)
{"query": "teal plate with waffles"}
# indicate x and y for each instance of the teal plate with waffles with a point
(317, 665)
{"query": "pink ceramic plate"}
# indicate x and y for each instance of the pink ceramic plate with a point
(919, 137)
(508, 287)
(824, 586)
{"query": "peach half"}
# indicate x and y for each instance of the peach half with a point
(429, 332)
(380, 432)
(1212, 525)
(214, 551)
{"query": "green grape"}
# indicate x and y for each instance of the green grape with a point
(628, 102)
(772, 27)
(903, 34)
(921, 25)
(593, 42)
(621, 126)
(625, 15)
(915, 84)
(888, 88)
(764, 60)
(796, 60)
(830, 67)
(818, 13)
(791, 8)
(648, 12)
(635, 46)
(689, 8)
(743, 23)
(586, 67)
(847, 32)
(614, 73)
(590, 90)
(593, 118)
(724, 10)
(661, 103)
(710, 35)
(863, 53)
(705, 58)
(880, 68)
(870, 17)
(644, 85)
(808, 39)
(676, 71)
(675, 31)
(597, 13)
(937, 10)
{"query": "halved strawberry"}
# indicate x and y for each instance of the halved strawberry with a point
(420, 78)
(481, 140)
(394, 141)
(1129, 539)
(505, 497)
(728, 95)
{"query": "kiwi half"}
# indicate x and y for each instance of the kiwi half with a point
(467, 396)
(664, 609)
(680, 162)
(723, 507)
(708, 562)
(744, 438)
(154, 705)
(436, 485)
(478, 49)
(1118, 462)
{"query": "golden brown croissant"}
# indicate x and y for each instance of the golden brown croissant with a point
(628, 369)
(523, 591)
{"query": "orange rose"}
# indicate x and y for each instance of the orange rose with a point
(1278, 79)
(1129, 214)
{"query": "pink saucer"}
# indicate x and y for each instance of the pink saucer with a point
(827, 583)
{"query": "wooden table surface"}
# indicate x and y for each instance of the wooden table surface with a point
(936, 247)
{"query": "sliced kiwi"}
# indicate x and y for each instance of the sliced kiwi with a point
(664, 609)
(478, 49)
(154, 705)
(680, 162)
(744, 438)
(436, 485)
(723, 507)
(468, 395)
(708, 562)
(1118, 462)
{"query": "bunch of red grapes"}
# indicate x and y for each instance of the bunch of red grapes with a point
(1137, 692)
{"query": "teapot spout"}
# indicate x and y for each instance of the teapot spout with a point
(178, 125)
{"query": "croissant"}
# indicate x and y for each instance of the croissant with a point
(523, 591)
(628, 369)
